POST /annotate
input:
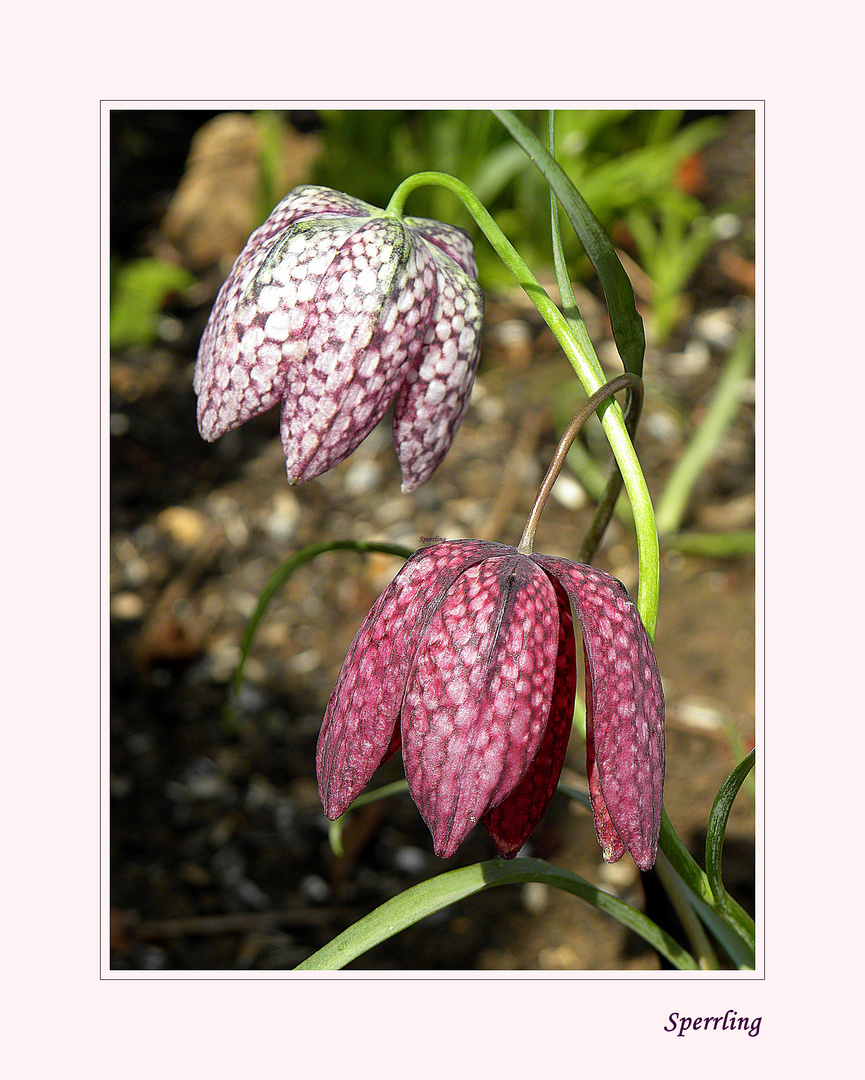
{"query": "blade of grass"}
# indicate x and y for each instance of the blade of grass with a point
(284, 571)
(718, 825)
(571, 311)
(733, 930)
(570, 308)
(625, 320)
(439, 892)
(274, 583)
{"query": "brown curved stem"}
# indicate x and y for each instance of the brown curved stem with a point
(607, 504)
(622, 382)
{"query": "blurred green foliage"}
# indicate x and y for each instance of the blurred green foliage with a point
(670, 245)
(139, 290)
(626, 163)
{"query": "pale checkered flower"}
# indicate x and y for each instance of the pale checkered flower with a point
(338, 310)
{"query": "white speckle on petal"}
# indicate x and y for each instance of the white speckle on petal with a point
(276, 326)
(435, 393)
(306, 290)
(367, 281)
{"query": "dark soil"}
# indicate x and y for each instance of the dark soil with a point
(219, 847)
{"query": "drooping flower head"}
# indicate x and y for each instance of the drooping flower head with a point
(468, 662)
(338, 310)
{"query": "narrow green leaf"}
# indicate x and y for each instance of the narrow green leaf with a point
(439, 892)
(734, 933)
(571, 311)
(732, 942)
(570, 308)
(718, 824)
(284, 571)
(624, 318)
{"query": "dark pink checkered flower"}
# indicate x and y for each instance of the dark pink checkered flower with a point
(468, 661)
(338, 310)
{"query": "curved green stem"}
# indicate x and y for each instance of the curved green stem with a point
(718, 827)
(628, 382)
(421, 900)
(588, 372)
(698, 882)
(284, 571)
(335, 831)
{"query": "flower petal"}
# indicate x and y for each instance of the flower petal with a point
(366, 326)
(285, 327)
(513, 820)
(612, 845)
(478, 694)
(627, 704)
(454, 242)
(434, 397)
(259, 331)
(219, 349)
(358, 728)
(311, 200)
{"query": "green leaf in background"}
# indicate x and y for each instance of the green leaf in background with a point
(138, 293)
(670, 252)
(618, 159)
(722, 409)
(440, 892)
(625, 320)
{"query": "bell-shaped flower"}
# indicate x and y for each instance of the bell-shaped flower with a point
(337, 310)
(468, 662)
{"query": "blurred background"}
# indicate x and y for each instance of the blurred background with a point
(219, 847)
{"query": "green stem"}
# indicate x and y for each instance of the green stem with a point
(698, 882)
(681, 901)
(397, 787)
(628, 382)
(421, 900)
(284, 571)
(730, 923)
(585, 367)
(718, 827)
(570, 308)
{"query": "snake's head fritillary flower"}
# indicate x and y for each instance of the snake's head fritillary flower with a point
(468, 661)
(338, 310)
